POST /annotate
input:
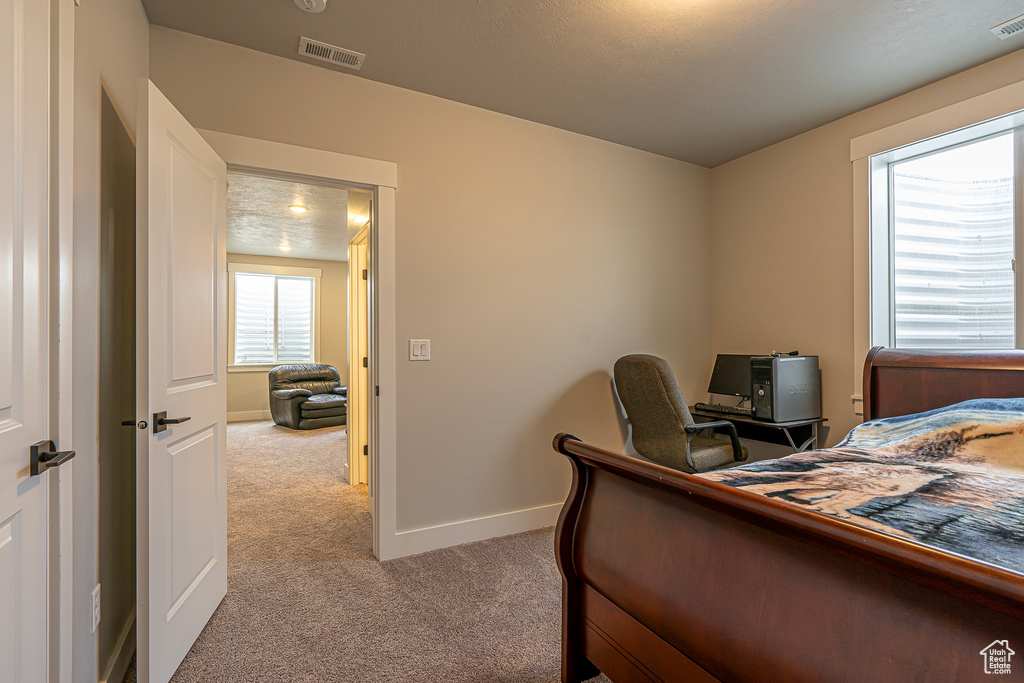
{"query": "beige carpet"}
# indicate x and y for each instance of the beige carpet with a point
(307, 602)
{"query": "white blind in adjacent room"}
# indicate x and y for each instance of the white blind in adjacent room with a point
(294, 320)
(273, 319)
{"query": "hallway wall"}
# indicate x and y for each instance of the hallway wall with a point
(116, 444)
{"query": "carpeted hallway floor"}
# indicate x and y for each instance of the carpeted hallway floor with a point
(307, 602)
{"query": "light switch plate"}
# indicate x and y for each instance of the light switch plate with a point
(419, 349)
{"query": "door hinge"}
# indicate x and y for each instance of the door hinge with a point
(364, 274)
(366, 362)
(377, 390)
(366, 449)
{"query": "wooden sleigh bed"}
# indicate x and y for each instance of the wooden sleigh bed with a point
(672, 577)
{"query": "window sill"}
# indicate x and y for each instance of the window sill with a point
(252, 368)
(264, 368)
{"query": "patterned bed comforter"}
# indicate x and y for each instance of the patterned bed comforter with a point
(952, 478)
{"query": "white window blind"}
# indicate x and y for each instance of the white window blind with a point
(294, 320)
(273, 319)
(952, 245)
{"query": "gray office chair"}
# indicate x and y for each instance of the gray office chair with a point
(663, 429)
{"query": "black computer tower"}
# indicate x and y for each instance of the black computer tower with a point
(785, 388)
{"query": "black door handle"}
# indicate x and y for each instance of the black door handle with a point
(160, 421)
(44, 455)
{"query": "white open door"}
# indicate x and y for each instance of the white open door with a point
(24, 340)
(182, 271)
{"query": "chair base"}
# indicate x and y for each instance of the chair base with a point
(317, 422)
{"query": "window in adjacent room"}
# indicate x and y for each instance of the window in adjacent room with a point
(273, 313)
(943, 244)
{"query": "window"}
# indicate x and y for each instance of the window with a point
(943, 241)
(273, 314)
(952, 235)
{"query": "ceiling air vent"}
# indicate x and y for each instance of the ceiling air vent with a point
(1010, 28)
(330, 53)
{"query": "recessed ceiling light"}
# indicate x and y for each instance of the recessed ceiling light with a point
(297, 208)
(311, 6)
(284, 247)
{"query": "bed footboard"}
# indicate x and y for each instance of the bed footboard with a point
(671, 577)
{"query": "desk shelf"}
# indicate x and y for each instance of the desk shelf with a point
(800, 435)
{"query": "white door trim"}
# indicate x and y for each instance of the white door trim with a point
(257, 154)
(383, 423)
(62, 120)
(382, 176)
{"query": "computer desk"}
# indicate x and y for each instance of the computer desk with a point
(805, 432)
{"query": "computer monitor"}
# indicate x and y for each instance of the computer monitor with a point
(731, 376)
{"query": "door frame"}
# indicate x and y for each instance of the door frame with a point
(358, 348)
(380, 177)
(61, 305)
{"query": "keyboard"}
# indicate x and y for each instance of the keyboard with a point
(718, 408)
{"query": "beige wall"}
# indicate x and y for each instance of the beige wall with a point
(783, 237)
(530, 256)
(116, 445)
(111, 52)
(248, 392)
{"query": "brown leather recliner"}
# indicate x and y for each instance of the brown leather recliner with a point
(307, 396)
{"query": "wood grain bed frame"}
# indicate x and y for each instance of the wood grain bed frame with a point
(670, 577)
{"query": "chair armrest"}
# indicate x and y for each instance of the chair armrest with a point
(701, 426)
(729, 427)
(341, 391)
(290, 393)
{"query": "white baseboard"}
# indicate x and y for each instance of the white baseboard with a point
(416, 541)
(117, 665)
(250, 415)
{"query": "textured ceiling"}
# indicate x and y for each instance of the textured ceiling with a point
(704, 81)
(260, 222)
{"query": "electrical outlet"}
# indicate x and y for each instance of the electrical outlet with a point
(95, 607)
